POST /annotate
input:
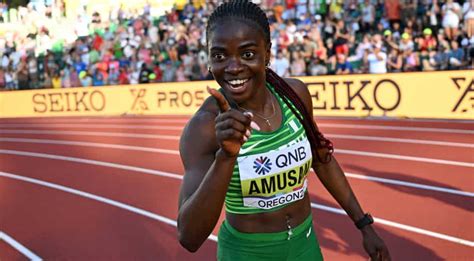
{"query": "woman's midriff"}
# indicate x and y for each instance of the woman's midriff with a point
(274, 221)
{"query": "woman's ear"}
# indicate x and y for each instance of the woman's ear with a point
(268, 54)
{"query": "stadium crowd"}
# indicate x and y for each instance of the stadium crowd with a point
(316, 38)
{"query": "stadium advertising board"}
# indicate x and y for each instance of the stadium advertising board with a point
(448, 95)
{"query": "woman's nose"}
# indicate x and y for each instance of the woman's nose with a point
(234, 67)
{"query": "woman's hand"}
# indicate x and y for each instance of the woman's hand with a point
(232, 126)
(374, 245)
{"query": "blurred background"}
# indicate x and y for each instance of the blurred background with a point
(60, 44)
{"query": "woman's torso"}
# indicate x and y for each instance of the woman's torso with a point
(268, 189)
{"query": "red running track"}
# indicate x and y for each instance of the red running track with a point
(107, 188)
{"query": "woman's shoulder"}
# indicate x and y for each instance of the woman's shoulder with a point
(300, 88)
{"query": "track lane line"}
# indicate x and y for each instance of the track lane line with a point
(181, 119)
(328, 125)
(378, 127)
(342, 151)
(97, 198)
(402, 226)
(94, 126)
(18, 246)
(400, 140)
(176, 137)
(410, 184)
(93, 133)
(91, 144)
(179, 177)
(92, 162)
(403, 157)
(175, 152)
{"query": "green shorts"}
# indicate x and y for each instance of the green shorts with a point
(302, 245)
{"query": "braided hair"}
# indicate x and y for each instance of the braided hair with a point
(252, 14)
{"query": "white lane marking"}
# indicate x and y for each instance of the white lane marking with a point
(401, 226)
(387, 119)
(93, 133)
(183, 119)
(327, 125)
(398, 128)
(91, 120)
(163, 219)
(175, 137)
(390, 139)
(410, 184)
(19, 247)
(87, 126)
(91, 144)
(92, 162)
(96, 198)
(94, 120)
(174, 152)
(402, 157)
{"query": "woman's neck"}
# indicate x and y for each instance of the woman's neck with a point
(261, 102)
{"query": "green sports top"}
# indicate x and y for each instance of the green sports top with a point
(271, 169)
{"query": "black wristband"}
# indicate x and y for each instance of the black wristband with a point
(367, 219)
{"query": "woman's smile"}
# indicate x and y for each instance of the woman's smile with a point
(238, 86)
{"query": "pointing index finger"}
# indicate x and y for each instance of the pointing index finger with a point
(221, 101)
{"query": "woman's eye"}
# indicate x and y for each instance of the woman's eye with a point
(248, 55)
(218, 56)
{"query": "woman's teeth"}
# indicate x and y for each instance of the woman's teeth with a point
(238, 82)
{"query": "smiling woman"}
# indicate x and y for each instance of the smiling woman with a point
(250, 147)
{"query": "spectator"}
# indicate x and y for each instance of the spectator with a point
(298, 65)
(47, 82)
(342, 38)
(3, 84)
(456, 56)
(408, 9)
(410, 60)
(123, 76)
(144, 74)
(169, 73)
(376, 59)
(441, 58)
(74, 78)
(393, 9)
(22, 75)
(451, 12)
(406, 43)
(56, 81)
(468, 12)
(127, 39)
(428, 42)
(394, 61)
(85, 78)
(342, 65)
(281, 65)
(10, 80)
(368, 15)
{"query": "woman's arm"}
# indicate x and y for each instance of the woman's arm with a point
(209, 147)
(334, 180)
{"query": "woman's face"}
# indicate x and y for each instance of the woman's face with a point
(238, 55)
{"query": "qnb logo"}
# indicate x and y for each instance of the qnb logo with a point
(262, 165)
